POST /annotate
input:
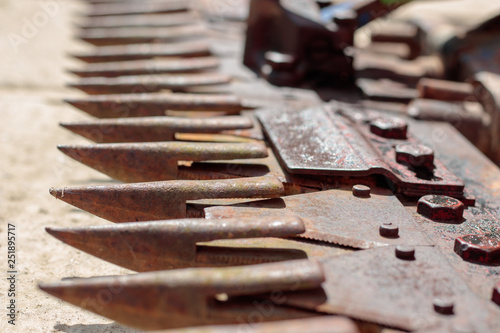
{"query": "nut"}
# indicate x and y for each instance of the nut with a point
(441, 208)
(388, 230)
(479, 249)
(361, 191)
(389, 128)
(405, 252)
(418, 156)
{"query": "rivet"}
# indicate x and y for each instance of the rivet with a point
(443, 306)
(388, 230)
(361, 191)
(405, 252)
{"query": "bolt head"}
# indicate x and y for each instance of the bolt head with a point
(389, 128)
(405, 252)
(389, 230)
(418, 156)
(441, 208)
(443, 306)
(361, 191)
(479, 249)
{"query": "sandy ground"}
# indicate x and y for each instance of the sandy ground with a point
(32, 83)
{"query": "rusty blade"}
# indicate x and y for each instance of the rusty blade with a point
(320, 141)
(321, 324)
(161, 200)
(148, 83)
(139, 20)
(154, 104)
(377, 286)
(337, 216)
(139, 7)
(386, 90)
(445, 90)
(144, 51)
(159, 245)
(119, 36)
(157, 66)
(143, 162)
(150, 129)
(187, 297)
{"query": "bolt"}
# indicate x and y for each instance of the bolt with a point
(389, 128)
(415, 155)
(440, 208)
(495, 297)
(388, 230)
(361, 191)
(443, 306)
(479, 249)
(405, 252)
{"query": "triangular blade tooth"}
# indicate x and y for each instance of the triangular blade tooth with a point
(151, 129)
(145, 51)
(121, 36)
(139, 20)
(154, 104)
(161, 200)
(142, 162)
(138, 7)
(180, 298)
(142, 67)
(159, 245)
(149, 83)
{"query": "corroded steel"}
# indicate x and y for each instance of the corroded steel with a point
(149, 83)
(146, 162)
(441, 208)
(154, 104)
(183, 298)
(159, 245)
(119, 36)
(144, 51)
(138, 20)
(368, 285)
(480, 249)
(330, 324)
(149, 129)
(157, 66)
(320, 142)
(138, 7)
(445, 90)
(336, 216)
(161, 200)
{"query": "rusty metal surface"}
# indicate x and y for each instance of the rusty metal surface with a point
(322, 324)
(159, 245)
(140, 7)
(445, 90)
(315, 141)
(161, 200)
(149, 129)
(386, 90)
(184, 298)
(368, 285)
(144, 51)
(336, 216)
(149, 83)
(154, 104)
(146, 162)
(157, 66)
(119, 36)
(138, 20)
